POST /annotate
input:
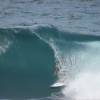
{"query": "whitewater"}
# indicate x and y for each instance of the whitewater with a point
(37, 36)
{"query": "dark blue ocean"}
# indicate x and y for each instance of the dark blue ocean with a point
(38, 36)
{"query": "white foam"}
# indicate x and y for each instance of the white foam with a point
(86, 86)
(4, 46)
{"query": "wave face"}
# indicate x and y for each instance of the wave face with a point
(26, 65)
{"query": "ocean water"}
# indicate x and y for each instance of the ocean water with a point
(36, 36)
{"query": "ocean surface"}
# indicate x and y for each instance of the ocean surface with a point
(38, 36)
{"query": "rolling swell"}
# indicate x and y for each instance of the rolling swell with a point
(26, 65)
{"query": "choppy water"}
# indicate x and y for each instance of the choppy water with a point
(38, 35)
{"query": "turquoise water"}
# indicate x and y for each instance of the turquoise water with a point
(26, 67)
(38, 36)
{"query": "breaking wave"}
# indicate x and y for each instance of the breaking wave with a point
(76, 56)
